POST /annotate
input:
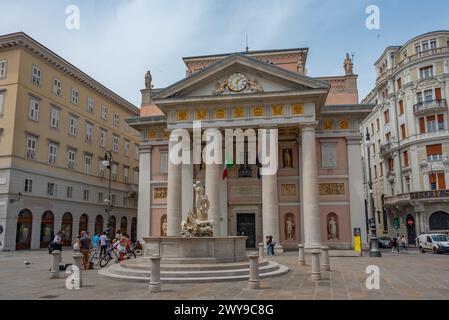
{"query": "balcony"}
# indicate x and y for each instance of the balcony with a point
(386, 148)
(425, 196)
(421, 55)
(430, 106)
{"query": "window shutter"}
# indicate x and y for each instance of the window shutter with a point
(403, 131)
(440, 118)
(434, 150)
(441, 181)
(405, 158)
(438, 94)
(422, 125)
(401, 107)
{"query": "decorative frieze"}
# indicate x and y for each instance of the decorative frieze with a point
(160, 193)
(220, 114)
(297, 109)
(288, 189)
(332, 189)
(238, 112)
(344, 124)
(258, 111)
(201, 114)
(182, 115)
(277, 110)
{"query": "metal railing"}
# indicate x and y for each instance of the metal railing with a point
(429, 105)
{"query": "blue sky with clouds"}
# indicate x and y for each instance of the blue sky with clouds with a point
(120, 39)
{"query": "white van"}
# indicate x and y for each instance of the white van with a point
(437, 243)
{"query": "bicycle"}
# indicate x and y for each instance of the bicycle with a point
(104, 260)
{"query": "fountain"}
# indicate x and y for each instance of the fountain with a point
(196, 255)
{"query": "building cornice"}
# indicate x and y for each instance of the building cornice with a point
(22, 40)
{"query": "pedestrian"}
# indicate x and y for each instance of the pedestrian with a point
(272, 244)
(403, 242)
(56, 244)
(267, 243)
(394, 244)
(85, 246)
(123, 246)
(77, 245)
(103, 244)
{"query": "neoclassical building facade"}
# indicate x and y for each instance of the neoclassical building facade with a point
(315, 196)
(410, 134)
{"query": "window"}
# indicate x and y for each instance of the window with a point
(419, 97)
(2, 102)
(126, 148)
(74, 97)
(28, 185)
(433, 44)
(2, 68)
(86, 195)
(57, 87)
(164, 162)
(36, 75)
(136, 152)
(71, 155)
(69, 192)
(115, 142)
(426, 72)
(372, 128)
(52, 152)
(388, 137)
(381, 167)
(441, 122)
(51, 189)
(403, 133)
(136, 176)
(417, 48)
(100, 197)
(437, 181)
(126, 174)
(125, 201)
(387, 116)
(399, 83)
(114, 172)
(87, 163)
(54, 117)
(405, 157)
(428, 95)
(101, 168)
(90, 104)
(103, 137)
(431, 124)
(401, 107)
(378, 124)
(407, 184)
(116, 119)
(434, 152)
(375, 172)
(73, 125)
(31, 147)
(33, 112)
(422, 125)
(104, 112)
(113, 199)
(89, 132)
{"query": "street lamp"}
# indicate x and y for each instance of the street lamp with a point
(374, 249)
(108, 163)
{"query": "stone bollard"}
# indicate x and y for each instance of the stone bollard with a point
(301, 255)
(261, 250)
(78, 261)
(326, 266)
(155, 279)
(55, 258)
(254, 280)
(316, 272)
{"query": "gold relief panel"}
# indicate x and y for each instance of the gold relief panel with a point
(332, 189)
(277, 110)
(288, 189)
(220, 113)
(239, 112)
(344, 124)
(258, 111)
(160, 193)
(298, 108)
(201, 115)
(182, 115)
(327, 124)
(152, 134)
(165, 134)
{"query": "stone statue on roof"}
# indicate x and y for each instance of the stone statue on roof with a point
(148, 80)
(348, 65)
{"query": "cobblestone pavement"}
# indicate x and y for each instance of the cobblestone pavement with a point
(408, 275)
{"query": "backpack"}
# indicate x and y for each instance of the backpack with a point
(51, 247)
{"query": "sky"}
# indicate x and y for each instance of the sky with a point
(119, 40)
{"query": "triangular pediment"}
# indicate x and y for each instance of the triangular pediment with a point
(239, 74)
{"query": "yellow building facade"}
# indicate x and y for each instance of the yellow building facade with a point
(56, 124)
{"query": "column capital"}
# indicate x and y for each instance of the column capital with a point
(311, 126)
(145, 148)
(353, 140)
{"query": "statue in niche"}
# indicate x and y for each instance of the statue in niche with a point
(289, 228)
(148, 80)
(164, 227)
(332, 228)
(287, 160)
(197, 223)
(348, 65)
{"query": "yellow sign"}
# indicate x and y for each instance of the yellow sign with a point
(357, 241)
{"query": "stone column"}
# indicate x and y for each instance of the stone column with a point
(78, 261)
(174, 198)
(55, 257)
(155, 276)
(312, 226)
(325, 255)
(301, 255)
(213, 194)
(356, 196)
(270, 209)
(144, 204)
(254, 279)
(316, 269)
(261, 250)
(187, 189)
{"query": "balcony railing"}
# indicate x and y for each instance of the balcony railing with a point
(386, 147)
(431, 195)
(430, 105)
(422, 54)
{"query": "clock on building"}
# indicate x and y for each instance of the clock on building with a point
(237, 82)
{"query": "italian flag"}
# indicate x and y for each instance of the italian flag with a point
(228, 165)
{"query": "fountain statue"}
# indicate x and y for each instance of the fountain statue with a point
(197, 223)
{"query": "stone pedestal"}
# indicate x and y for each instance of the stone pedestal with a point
(55, 258)
(301, 255)
(155, 277)
(316, 270)
(261, 250)
(78, 261)
(254, 279)
(325, 257)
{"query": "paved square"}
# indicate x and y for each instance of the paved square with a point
(408, 275)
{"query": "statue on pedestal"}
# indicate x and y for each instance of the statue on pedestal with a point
(348, 65)
(197, 223)
(148, 80)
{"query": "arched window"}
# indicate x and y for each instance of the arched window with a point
(66, 227)
(332, 226)
(99, 224)
(112, 224)
(47, 229)
(83, 222)
(134, 230)
(124, 225)
(439, 221)
(24, 228)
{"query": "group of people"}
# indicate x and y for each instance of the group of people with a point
(398, 243)
(270, 243)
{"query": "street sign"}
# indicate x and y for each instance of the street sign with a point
(358, 240)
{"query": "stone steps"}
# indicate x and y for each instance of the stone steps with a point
(145, 264)
(193, 273)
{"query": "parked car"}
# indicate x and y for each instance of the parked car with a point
(434, 242)
(384, 242)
